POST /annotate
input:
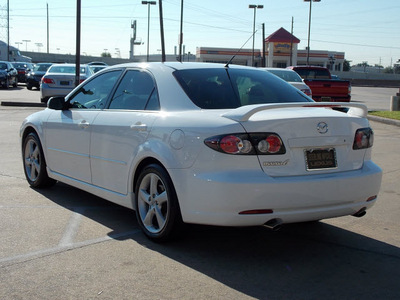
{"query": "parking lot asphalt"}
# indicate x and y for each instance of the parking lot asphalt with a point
(63, 243)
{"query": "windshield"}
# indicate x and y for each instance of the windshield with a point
(41, 68)
(222, 88)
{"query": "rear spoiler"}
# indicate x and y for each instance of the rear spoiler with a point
(243, 113)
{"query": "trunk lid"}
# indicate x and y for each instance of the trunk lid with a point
(317, 140)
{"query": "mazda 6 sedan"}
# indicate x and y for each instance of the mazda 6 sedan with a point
(206, 144)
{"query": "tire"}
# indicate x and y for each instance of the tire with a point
(7, 84)
(29, 86)
(35, 163)
(156, 204)
(15, 84)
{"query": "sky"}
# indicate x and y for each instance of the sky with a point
(366, 30)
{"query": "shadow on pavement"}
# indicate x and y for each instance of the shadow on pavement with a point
(301, 261)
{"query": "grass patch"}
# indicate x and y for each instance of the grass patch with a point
(386, 114)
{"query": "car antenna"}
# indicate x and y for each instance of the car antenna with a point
(229, 62)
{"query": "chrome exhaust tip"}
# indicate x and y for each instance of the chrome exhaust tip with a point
(362, 212)
(274, 224)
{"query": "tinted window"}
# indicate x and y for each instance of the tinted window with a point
(95, 93)
(136, 91)
(290, 76)
(313, 73)
(231, 88)
(66, 69)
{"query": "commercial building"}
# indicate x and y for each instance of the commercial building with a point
(281, 50)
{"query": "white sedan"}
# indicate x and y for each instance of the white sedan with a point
(205, 144)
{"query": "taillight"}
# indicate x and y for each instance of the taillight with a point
(363, 139)
(47, 80)
(247, 144)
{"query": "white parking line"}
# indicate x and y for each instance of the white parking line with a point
(72, 228)
(50, 251)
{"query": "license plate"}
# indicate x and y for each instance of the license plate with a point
(326, 99)
(64, 82)
(317, 159)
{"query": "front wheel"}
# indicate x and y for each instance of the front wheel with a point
(156, 203)
(34, 162)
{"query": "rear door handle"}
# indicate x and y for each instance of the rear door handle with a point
(139, 126)
(84, 124)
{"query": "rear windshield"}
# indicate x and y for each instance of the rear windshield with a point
(66, 69)
(289, 76)
(313, 73)
(222, 88)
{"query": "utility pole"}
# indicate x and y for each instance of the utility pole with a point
(263, 45)
(8, 30)
(78, 43)
(181, 34)
(291, 44)
(163, 58)
(47, 6)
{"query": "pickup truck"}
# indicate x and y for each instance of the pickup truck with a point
(323, 87)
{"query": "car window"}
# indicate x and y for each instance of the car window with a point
(95, 93)
(313, 73)
(62, 69)
(232, 88)
(136, 91)
(289, 76)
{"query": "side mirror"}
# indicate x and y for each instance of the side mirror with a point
(57, 103)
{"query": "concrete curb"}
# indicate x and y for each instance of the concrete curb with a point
(384, 120)
(25, 104)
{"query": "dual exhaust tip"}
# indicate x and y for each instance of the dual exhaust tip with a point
(276, 224)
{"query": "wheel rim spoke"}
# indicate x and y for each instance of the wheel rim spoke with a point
(159, 216)
(153, 203)
(32, 160)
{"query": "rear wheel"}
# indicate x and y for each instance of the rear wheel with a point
(7, 84)
(34, 162)
(156, 204)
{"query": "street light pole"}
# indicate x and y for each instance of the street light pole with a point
(254, 6)
(148, 3)
(26, 44)
(309, 29)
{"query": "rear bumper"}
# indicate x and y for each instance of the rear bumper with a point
(46, 91)
(218, 198)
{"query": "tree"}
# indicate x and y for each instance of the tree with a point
(106, 54)
(346, 65)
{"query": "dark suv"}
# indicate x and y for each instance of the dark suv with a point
(34, 77)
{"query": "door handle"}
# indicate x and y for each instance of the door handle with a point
(139, 126)
(84, 124)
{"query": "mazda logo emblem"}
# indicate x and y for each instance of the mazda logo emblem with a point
(322, 127)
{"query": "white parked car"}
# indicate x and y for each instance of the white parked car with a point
(59, 80)
(206, 144)
(291, 77)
